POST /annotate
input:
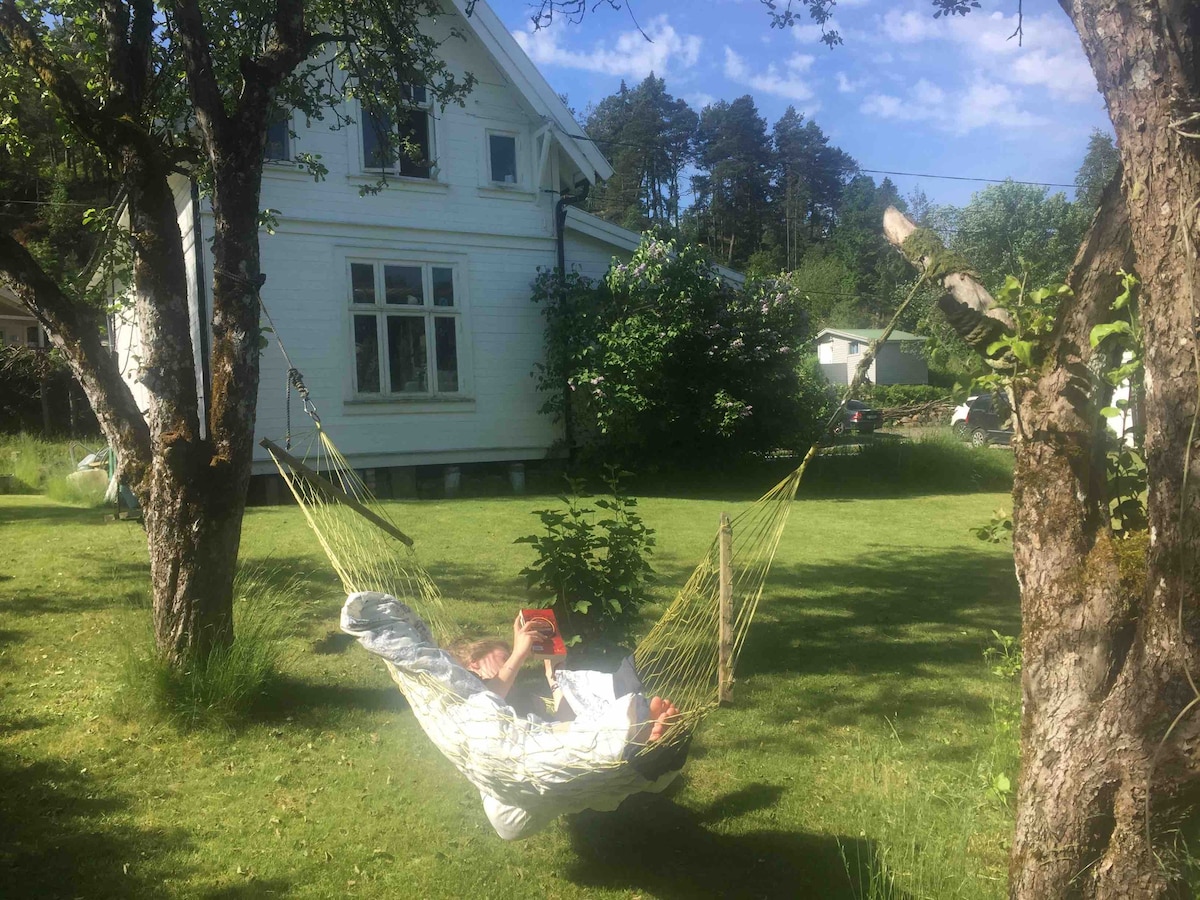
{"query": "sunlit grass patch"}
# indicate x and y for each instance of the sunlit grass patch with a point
(862, 700)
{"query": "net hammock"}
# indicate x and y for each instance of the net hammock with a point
(528, 769)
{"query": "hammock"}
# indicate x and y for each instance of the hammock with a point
(529, 770)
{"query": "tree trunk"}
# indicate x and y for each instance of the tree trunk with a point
(1108, 776)
(47, 418)
(1103, 663)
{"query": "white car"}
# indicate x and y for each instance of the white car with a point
(958, 421)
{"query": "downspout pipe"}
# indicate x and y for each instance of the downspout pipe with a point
(566, 198)
(202, 315)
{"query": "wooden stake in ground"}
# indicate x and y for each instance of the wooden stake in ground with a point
(725, 639)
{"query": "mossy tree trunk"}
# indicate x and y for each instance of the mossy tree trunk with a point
(1105, 658)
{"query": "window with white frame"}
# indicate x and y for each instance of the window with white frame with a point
(406, 320)
(502, 158)
(853, 348)
(399, 138)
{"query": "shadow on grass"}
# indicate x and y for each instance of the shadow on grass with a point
(651, 844)
(884, 631)
(63, 838)
(317, 704)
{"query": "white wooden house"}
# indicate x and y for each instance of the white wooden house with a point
(409, 312)
(899, 360)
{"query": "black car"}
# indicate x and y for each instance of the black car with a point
(989, 420)
(860, 417)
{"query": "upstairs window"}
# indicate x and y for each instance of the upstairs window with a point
(853, 347)
(279, 137)
(399, 139)
(406, 323)
(502, 158)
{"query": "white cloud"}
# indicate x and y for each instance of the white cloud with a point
(1048, 57)
(910, 26)
(699, 100)
(847, 85)
(786, 82)
(667, 52)
(982, 105)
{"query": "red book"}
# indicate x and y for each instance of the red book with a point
(548, 644)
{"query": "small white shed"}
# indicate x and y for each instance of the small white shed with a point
(17, 326)
(900, 360)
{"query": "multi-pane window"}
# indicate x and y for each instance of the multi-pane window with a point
(399, 138)
(407, 319)
(502, 158)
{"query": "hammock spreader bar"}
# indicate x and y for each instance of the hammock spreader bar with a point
(334, 492)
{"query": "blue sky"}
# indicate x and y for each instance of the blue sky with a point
(905, 92)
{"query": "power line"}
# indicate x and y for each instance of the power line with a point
(969, 178)
(655, 147)
(46, 203)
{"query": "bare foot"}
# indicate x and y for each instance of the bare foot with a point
(664, 713)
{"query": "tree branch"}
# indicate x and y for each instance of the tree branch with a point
(967, 305)
(75, 328)
(202, 80)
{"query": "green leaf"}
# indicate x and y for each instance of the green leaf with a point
(1023, 350)
(1110, 412)
(1100, 332)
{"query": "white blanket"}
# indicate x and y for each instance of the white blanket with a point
(527, 769)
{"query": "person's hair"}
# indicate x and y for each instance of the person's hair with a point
(469, 651)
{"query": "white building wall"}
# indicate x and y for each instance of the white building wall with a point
(591, 257)
(493, 417)
(496, 237)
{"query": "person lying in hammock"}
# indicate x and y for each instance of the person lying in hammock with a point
(497, 663)
(528, 769)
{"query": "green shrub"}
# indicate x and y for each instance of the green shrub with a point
(233, 682)
(663, 362)
(592, 562)
(890, 396)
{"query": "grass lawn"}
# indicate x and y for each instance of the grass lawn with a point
(862, 735)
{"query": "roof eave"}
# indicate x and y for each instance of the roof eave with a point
(525, 76)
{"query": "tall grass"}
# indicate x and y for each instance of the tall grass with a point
(37, 466)
(934, 463)
(921, 841)
(231, 683)
(922, 832)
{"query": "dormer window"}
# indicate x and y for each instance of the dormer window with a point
(399, 140)
(502, 158)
